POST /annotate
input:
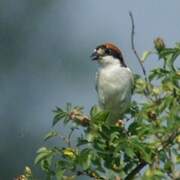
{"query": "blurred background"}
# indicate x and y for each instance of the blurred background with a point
(44, 61)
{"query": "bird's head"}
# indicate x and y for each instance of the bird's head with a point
(107, 54)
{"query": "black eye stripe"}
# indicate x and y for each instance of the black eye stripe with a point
(111, 50)
(108, 51)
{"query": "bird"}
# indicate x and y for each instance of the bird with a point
(114, 81)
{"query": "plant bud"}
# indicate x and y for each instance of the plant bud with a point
(120, 123)
(21, 177)
(152, 115)
(27, 171)
(159, 44)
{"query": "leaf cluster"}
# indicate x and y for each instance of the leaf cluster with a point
(148, 135)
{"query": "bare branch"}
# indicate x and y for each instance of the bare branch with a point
(133, 45)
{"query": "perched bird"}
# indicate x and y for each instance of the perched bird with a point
(114, 80)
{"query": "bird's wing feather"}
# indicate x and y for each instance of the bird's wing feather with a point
(132, 81)
(99, 90)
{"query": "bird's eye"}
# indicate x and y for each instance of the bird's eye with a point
(108, 51)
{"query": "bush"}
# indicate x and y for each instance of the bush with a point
(145, 144)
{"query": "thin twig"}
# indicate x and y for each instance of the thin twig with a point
(133, 45)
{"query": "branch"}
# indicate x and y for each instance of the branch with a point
(136, 170)
(164, 145)
(133, 45)
(169, 140)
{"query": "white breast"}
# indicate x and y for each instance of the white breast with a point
(114, 85)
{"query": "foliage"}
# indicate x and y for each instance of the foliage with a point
(144, 144)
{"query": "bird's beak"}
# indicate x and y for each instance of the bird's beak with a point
(94, 56)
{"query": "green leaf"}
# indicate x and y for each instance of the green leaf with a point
(59, 173)
(50, 135)
(85, 158)
(94, 111)
(110, 150)
(178, 159)
(82, 141)
(141, 148)
(171, 60)
(140, 85)
(100, 146)
(42, 154)
(158, 73)
(159, 173)
(169, 55)
(168, 166)
(145, 55)
(46, 165)
(178, 45)
(41, 150)
(129, 151)
(167, 51)
(59, 114)
(100, 117)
